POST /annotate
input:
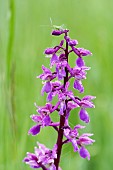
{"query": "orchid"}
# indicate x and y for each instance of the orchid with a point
(43, 157)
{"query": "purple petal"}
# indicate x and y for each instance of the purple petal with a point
(42, 148)
(32, 161)
(49, 106)
(26, 159)
(46, 121)
(73, 42)
(57, 32)
(34, 165)
(84, 116)
(75, 146)
(49, 51)
(87, 104)
(67, 85)
(79, 127)
(78, 85)
(84, 153)
(54, 124)
(81, 51)
(62, 42)
(54, 155)
(87, 134)
(54, 59)
(46, 88)
(85, 140)
(76, 51)
(60, 76)
(34, 130)
(63, 72)
(46, 70)
(56, 106)
(56, 83)
(84, 52)
(80, 62)
(88, 97)
(35, 118)
(61, 57)
(66, 132)
(72, 105)
(49, 97)
(62, 108)
(31, 156)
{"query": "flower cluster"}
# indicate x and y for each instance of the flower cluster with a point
(53, 86)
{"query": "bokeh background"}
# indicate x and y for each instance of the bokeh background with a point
(24, 34)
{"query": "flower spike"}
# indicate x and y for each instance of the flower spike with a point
(56, 84)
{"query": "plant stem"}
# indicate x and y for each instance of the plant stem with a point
(62, 119)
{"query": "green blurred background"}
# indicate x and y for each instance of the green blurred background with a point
(24, 34)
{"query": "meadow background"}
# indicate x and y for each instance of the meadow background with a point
(24, 35)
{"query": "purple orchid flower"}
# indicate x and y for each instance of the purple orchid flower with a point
(42, 157)
(43, 118)
(85, 103)
(72, 134)
(85, 140)
(81, 51)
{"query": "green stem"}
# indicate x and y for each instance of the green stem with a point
(10, 39)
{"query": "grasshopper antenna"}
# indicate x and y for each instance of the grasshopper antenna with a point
(51, 22)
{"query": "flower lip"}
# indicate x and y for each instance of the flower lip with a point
(84, 153)
(84, 116)
(34, 130)
(80, 62)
